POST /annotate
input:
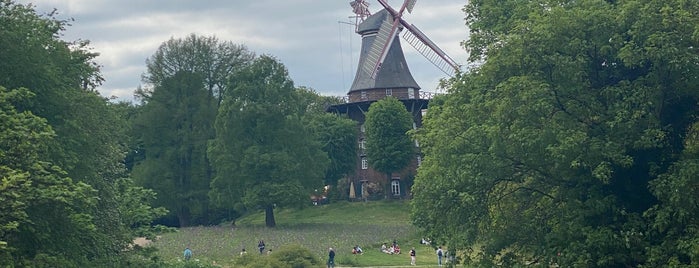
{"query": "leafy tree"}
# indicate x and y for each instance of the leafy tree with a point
(564, 145)
(177, 62)
(263, 155)
(208, 57)
(44, 212)
(85, 144)
(175, 126)
(388, 146)
(336, 134)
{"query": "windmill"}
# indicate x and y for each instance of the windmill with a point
(383, 71)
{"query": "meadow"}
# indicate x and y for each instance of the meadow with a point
(340, 225)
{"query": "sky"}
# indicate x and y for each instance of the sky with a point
(312, 38)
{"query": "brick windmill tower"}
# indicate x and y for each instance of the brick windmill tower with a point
(382, 72)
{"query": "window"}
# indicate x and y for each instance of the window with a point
(419, 160)
(395, 186)
(363, 95)
(417, 144)
(389, 92)
(362, 128)
(411, 93)
(365, 164)
(414, 125)
(362, 143)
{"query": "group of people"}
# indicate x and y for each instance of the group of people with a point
(393, 249)
(260, 246)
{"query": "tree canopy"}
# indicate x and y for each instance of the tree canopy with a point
(61, 151)
(572, 142)
(208, 57)
(263, 156)
(388, 146)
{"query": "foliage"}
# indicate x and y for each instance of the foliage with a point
(338, 136)
(44, 212)
(70, 147)
(561, 146)
(187, 80)
(263, 156)
(388, 145)
(215, 61)
(174, 128)
(296, 256)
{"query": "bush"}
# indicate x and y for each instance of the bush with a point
(348, 260)
(259, 261)
(296, 256)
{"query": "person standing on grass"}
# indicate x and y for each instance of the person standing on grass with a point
(331, 258)
(187, 254)
(412, 256)
(261, 246)
(440, 253)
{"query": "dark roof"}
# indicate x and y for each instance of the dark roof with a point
(373, 22)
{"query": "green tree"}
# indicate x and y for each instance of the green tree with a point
(86, 143)
(263, 155)
(175, 126)
(337, 134)
(547, 151)
(44, 213)
(388, 146)
(203, 60)
(214, 60)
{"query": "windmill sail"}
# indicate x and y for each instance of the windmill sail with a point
(385, 36)
(383, 40)
(409, 5)
(430, 50)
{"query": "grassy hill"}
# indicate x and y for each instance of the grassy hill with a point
(339, 225)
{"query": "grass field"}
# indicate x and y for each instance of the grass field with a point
(340, 225)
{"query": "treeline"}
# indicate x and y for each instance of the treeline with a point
(218, 131)
(574, 143)
(66, 199)
(221, 131)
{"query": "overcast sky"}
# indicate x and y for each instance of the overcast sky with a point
(305, 35)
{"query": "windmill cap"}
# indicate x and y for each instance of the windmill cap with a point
(373, 22)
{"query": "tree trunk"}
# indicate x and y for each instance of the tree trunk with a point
(183, 217)
(269, 216)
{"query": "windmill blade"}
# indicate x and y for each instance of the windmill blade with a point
(379, 48)
(409, 4)
(429, 49)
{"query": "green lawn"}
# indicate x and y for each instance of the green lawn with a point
(339, 225)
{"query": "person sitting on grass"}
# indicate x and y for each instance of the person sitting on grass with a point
(357, 250)
(396, 249)
(384, 249)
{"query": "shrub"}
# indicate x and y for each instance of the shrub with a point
(259, 261)
(296, 256)
(348, 260)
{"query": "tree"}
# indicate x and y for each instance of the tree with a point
(335, 133)
(263, 156)
(208, 57)
(44, 212)
(175, 126)
(81, 151)
(389, 148)
(547, 151)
